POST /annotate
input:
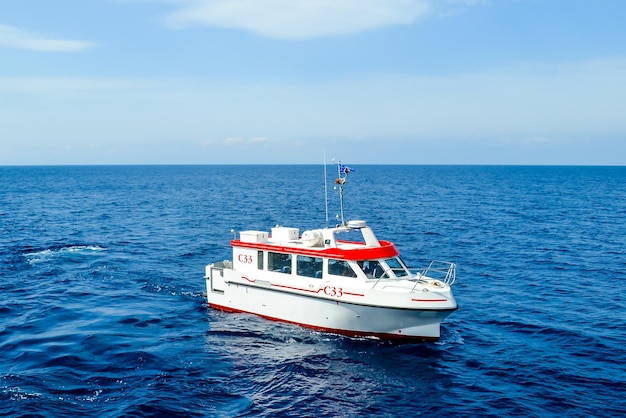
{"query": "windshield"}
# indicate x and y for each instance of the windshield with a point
(397, 267)
(372, 269)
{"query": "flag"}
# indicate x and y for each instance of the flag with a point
(345, 169)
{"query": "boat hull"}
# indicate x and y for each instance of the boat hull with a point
(323, 314)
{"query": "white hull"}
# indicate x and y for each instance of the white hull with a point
(387, 314)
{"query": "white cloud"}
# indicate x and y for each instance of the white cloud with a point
(233, 140)
(526, 108)
(467, 2)
(535, 140)
(298, 19)
(259, 139)
(246, 141)
(12, 37)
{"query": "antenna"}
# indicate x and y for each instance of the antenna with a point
(326, 187)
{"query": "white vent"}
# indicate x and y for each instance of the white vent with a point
(258, 237)
(282, 234)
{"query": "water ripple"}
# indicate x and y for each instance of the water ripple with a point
(104, 314)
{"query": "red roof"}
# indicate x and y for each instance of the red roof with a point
(357, 251)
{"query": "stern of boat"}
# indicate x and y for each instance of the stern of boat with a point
(214, 275)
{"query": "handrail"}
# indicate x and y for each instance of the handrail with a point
(449, 273)
(444, 269)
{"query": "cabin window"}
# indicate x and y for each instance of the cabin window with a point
(340, 268)
(372, 269)
(397, 267)
(279, 262)
(309, 266)
(260, 260)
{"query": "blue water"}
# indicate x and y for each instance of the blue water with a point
(103, 310)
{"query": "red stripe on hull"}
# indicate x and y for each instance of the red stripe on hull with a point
(296, 288)
(312, 291)
(429, 300)
(353, 294)
(346, 333)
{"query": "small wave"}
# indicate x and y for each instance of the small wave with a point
(18, 394)
(91, 398)
(48, 253)
(450, 337)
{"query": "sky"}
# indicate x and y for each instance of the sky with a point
(533, 82)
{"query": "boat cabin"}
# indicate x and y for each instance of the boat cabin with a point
(318, 253)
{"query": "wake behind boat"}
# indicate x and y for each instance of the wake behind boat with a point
(357, 287)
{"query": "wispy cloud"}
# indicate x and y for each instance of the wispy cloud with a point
(535, 140)
(247, 141)
(529, 106)
(301, 19)
(466, 2)
(233, 140)
(11, 37)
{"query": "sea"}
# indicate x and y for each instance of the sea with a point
(103, 307)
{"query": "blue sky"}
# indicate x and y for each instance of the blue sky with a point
(282, 81)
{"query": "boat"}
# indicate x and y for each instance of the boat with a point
(357, 287)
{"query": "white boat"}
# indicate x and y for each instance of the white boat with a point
(355, 287)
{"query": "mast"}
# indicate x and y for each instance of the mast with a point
(342, 176)
(326, 188)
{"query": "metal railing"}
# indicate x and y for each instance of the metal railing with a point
(443, 271)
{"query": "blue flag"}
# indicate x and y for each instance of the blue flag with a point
(345, 169)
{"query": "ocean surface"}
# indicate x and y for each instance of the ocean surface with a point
(103, 310)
